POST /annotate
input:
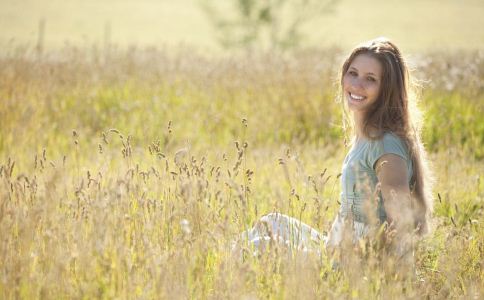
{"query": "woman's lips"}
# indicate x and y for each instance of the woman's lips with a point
(355, 97)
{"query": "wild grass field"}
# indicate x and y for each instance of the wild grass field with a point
(128, 174)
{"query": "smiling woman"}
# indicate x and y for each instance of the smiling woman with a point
(361, 83)
(384, 179)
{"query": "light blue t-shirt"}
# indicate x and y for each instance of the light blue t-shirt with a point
(358, 176)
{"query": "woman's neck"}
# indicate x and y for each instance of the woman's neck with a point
(358, 118)
(359, 123)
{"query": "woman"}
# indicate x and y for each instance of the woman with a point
(384, 175)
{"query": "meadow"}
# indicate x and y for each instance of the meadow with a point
(127, 174)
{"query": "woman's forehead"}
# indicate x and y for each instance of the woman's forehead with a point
(366, 63)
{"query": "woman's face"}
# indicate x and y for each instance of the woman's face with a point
(361, 83)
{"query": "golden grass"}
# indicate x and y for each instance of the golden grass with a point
(128, 176)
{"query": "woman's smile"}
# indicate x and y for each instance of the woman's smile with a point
(356, 97)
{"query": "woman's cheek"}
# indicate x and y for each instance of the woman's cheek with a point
(373, 87)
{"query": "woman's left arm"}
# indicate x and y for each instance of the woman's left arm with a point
(392, 174)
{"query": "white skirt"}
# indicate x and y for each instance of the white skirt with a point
(294, 234)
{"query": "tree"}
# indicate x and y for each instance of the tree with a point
(275, 24)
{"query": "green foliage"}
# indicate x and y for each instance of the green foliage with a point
(276, 24)
(454, 118)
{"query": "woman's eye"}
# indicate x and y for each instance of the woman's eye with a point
(352, 73)
(371, 79)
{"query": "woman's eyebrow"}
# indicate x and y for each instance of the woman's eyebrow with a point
(369, 73)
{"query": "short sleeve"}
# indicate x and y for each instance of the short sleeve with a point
(389, 143)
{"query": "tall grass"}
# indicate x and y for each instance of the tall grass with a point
(128, 175)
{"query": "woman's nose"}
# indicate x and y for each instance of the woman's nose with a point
(357, 83)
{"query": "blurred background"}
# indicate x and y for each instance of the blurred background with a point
(415, 25)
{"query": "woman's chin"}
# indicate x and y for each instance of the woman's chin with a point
(355, 105)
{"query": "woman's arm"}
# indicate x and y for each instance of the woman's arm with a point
(392, 174)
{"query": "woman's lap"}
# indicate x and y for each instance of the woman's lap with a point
(295, 234)
(284, 230)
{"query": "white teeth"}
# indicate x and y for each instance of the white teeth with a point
(356, 97)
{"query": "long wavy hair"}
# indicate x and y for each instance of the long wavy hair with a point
(395, 111)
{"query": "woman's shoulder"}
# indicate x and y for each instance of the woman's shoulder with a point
(392, 138)
(388, 142)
